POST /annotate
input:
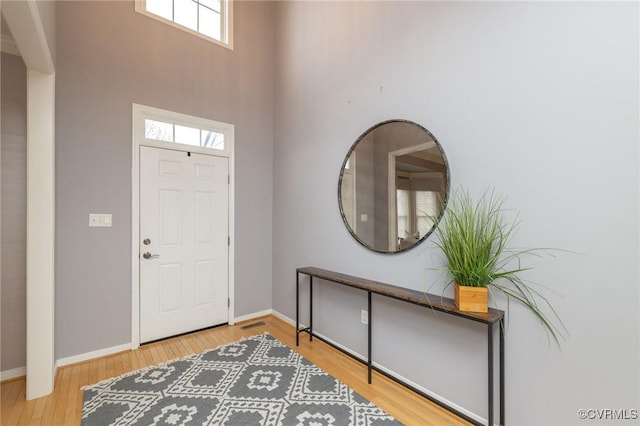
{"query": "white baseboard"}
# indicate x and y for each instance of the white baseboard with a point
(433, 394)
(344, 348)
(92, 355)
(13, 373)
(18, 372)
(283, 317)
(128, 346)
(389, 371)
(253, 315)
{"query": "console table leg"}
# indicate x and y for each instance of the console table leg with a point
(310, 308)
(297, 308)
(490, 369)
(369, 355)
(398, 293)
(501, 325)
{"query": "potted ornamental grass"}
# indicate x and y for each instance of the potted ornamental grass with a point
(474, 237)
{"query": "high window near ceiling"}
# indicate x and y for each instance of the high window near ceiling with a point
(210, 19)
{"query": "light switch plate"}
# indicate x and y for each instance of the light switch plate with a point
(100, 220)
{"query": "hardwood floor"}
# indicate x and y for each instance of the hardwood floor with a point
(63, 406)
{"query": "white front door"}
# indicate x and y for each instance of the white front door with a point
(184, 251)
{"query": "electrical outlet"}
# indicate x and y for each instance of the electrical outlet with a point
(364, 317)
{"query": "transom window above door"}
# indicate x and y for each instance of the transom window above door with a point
(210, 19)
(181, 132)
(169, 132)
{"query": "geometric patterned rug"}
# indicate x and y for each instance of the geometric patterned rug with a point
(255, 381)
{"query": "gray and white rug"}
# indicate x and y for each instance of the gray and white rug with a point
(255, 381)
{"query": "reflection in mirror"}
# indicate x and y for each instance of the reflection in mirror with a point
(393, 186)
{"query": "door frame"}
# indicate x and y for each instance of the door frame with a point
(28, 31)
(391, 188)
(140, 112)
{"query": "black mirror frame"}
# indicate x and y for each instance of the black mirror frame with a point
(447, 186)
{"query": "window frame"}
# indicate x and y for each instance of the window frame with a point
(226, 26)
(143, 112)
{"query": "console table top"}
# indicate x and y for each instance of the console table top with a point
(436, 302)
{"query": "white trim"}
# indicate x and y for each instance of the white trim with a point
(389, 371)
(638, 94)
(23, 20)
(92, 355)
(432, 394)
(9, 45)
(135, 235)
(115, 349)
(232, 223)
(14, 373)
(40, 233)
(139, 113)
(226, 27)
(254, 315)
(283, 317)
(229, 23)
(392, 202)
(344, 348)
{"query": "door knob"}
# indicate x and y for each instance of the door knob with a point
(148, 255)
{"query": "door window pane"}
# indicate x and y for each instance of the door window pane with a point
(187, 135)
(212, 140)
(158, 130)
(168, 132)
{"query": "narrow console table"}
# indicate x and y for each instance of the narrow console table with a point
(437, 303)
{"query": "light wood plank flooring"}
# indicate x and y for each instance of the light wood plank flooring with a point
(63, 406)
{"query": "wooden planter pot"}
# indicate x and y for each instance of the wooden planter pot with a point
(471, 299)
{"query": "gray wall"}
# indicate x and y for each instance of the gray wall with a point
(109, 57)
(13, 285)
(539, 100)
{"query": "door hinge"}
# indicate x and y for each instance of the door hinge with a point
(228, 179)
(228, 302)
(228, 241)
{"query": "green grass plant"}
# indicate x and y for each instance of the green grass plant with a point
(475, 237)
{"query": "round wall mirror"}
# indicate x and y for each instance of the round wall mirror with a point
(393, 186)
